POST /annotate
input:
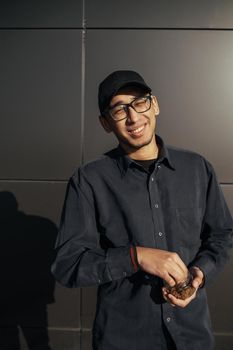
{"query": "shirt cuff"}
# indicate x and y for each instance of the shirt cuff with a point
(207, 267)
(119, 262)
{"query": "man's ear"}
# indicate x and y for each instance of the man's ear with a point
(156, 105)
(105, 123)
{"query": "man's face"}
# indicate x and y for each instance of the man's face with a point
(138, 129)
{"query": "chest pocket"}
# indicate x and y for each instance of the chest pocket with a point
(187, 225)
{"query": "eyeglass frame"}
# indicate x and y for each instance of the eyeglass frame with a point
(127, 105)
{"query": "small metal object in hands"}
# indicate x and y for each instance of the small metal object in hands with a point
(182, 290)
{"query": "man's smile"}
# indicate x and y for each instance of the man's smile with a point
(137, 131)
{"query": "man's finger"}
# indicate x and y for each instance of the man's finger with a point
(170, 280)
(196, 282)
(166, 298)
(181, 264)
(179, 302)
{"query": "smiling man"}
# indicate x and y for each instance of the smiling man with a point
(140, 221)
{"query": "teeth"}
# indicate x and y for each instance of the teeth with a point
(136, 131)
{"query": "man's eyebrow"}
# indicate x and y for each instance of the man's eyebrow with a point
(117, 104)
(122, 102)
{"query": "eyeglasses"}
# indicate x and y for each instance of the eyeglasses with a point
(139, 105)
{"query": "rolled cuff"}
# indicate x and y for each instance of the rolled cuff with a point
(119, 262)
(207, 267)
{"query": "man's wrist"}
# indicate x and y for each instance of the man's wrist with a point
(134, 258)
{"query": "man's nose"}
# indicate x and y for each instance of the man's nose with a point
(132, 115)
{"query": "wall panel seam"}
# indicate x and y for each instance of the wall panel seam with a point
(51, 181)
(62, 329)
(83, 63)
(40, 28)
(225, 334)
(159, 28)
(116, 28)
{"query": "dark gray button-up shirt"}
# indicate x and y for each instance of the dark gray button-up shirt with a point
(112, 203)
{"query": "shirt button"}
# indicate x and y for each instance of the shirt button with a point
(156, 205)
(159, 166)
(152, 179)
(160, 234)
(168, 319)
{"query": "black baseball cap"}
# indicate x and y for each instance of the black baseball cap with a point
(114, 82)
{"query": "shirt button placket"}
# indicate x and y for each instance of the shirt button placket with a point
(154, 198)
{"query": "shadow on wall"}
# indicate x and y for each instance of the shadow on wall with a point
(27, 286)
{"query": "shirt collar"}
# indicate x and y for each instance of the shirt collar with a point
(124, 161)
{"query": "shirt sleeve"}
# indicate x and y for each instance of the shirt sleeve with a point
(80, 259)
(216, 236)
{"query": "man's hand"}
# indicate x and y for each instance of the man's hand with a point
(198, 279)
(161, 263)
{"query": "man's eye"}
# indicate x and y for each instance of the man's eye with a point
(118, 111)
(139, 102)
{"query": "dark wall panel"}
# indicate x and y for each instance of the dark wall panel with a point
(89, 296)
(65, 339)
(220, 300)
(40, 103)
(40, 13)
(228, 193)
(29, 219)
(65, 311)
(191, 74)
(224, 341)
(44, 199)
(159, 14)
(60, 340)
(86, 340)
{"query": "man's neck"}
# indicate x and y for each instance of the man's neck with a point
(147, 152)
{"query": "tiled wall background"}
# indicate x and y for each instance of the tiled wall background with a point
(53, 54)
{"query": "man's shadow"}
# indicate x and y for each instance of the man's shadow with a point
(26, 283)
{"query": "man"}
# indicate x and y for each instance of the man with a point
(136, 220)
